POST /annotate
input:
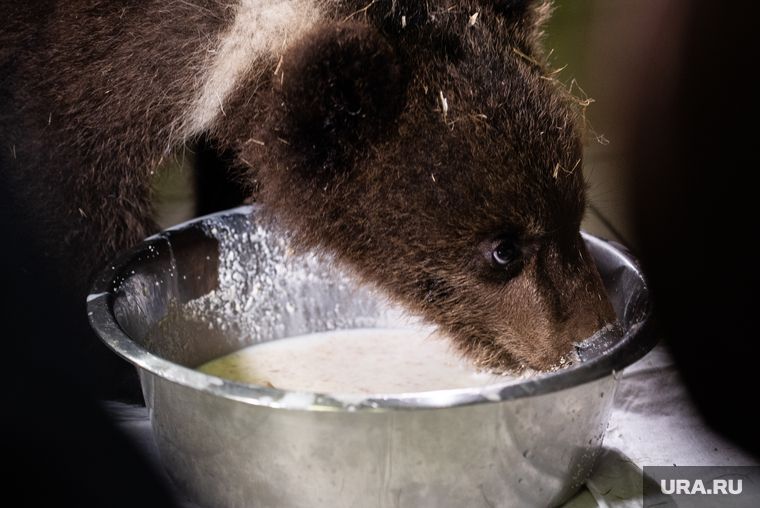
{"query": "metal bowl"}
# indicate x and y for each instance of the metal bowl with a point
(221, 283)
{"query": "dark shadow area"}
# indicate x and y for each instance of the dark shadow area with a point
(694, 158)
(55, 435)
(217, 185)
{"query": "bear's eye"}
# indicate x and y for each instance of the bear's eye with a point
(506, 251)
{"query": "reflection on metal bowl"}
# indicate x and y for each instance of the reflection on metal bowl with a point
(221, 283)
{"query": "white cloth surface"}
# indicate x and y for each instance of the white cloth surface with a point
(653, 423)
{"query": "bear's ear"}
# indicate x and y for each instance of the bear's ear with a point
(523, 20)
(512, 8)
(340, 86)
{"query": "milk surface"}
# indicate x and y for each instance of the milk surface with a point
(365, 360)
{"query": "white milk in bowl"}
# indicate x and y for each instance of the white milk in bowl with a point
(360, 361)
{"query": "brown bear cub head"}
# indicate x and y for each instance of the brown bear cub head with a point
(424, 144)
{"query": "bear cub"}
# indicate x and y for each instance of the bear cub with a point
(422, 144)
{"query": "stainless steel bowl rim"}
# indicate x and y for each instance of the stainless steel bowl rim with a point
(637, 341)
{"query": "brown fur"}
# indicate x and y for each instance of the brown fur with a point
(417, 204)
(359, 157)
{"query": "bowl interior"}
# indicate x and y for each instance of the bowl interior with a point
(221, 283)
